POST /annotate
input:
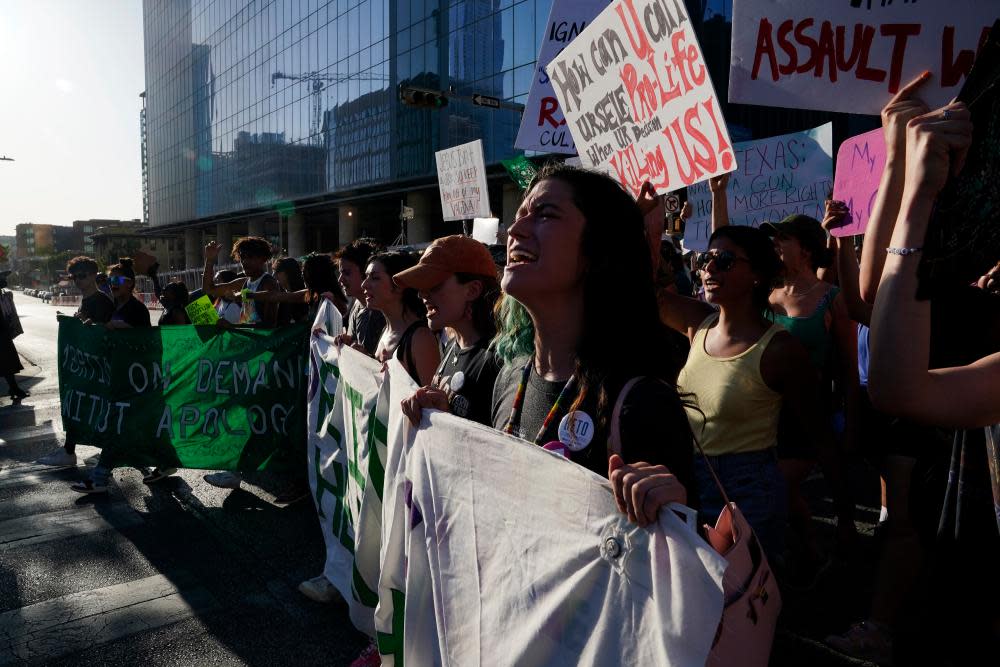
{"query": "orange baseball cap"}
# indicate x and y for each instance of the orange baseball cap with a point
(446, 256)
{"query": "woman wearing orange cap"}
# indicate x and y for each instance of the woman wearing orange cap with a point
(457, 281)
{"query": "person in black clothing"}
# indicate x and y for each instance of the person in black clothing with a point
(130, 313)
(288, 273)
(456, 279)
(364, 325)
(10, 364)
(96, 307)
(578, 243)
(319, 281)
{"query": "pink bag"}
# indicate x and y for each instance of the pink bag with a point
(752, 599)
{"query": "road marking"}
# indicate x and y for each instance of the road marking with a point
(78, 621)
(51, 526)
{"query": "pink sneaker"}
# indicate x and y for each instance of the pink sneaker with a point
(369, 657)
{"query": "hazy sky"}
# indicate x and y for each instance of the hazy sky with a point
(70, 76)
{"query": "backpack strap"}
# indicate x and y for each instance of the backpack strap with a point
(615, 437)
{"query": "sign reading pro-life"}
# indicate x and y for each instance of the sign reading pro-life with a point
(850, 55)
(462, 181)
(774, 178)
(639, 100)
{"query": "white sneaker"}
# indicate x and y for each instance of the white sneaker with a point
(60, 458)
(319, 589)
(224, 480)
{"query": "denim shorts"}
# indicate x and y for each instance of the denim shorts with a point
(752, 481)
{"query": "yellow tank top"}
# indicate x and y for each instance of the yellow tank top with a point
(732, 410)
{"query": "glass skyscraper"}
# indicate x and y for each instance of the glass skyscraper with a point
(270, 105)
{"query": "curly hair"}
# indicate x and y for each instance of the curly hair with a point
(252, 246)
(82, 263)
(359, 251)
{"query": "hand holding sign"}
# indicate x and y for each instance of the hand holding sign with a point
(903, 107)
(835, 214)
(936, 146)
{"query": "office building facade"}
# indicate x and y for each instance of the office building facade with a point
(279, 117)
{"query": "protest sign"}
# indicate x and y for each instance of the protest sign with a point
(521, 170)
(774, 178)
(485, 230)
(963, 239)
(852, 56)
(184, 397)
(543, 127)
(639, 100)
(346, 444)
(521, 557)
(202, 312)
(462, 181)
(860, 163)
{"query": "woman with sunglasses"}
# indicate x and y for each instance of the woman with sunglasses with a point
(130, 313)
(741, 371)
(814, 312)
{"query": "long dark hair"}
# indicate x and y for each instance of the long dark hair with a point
(482, 308)
(394, 262)
(616, 253)
(290, 267)
(320, 276)
(764, 261)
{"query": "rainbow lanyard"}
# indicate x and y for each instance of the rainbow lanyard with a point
(515, 410)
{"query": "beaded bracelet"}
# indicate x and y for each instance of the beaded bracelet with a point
(903, 251)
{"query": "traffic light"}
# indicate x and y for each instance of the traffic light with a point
(422, 98)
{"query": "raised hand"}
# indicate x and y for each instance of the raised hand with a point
(718, 183)
(936, 146)
(212, 251)
(835, 214)
(903, 107)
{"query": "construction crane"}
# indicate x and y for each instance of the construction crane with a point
(317, 82)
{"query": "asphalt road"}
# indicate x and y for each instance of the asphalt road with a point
(182, 573)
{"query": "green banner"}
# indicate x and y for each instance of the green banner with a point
(185, 396)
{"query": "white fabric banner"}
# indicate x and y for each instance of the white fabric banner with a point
(543, 127)
(521, 557)
(346, 444)
(852, 56)
(489, 550)
(774, 178)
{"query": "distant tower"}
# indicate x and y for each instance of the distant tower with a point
(145, 161)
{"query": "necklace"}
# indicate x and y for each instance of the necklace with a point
(515, 410)
(802, 294)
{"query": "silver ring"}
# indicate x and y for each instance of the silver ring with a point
(947, 114)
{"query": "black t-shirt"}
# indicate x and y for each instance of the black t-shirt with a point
(468, 376)
(654, 426)
(366, 325)
(132, 313)
(98, 308)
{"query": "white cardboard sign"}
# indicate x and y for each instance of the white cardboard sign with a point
(852, 55)
(638, 98)
(543, 127)
(774, 178)
(462, 182)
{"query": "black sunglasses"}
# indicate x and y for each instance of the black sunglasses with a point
(724, 259)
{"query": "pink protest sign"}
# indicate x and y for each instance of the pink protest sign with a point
(860, 162)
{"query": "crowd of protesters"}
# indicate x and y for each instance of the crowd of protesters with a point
(777, 352)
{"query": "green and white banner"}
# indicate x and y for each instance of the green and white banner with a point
(347, 435)
(184, 396)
